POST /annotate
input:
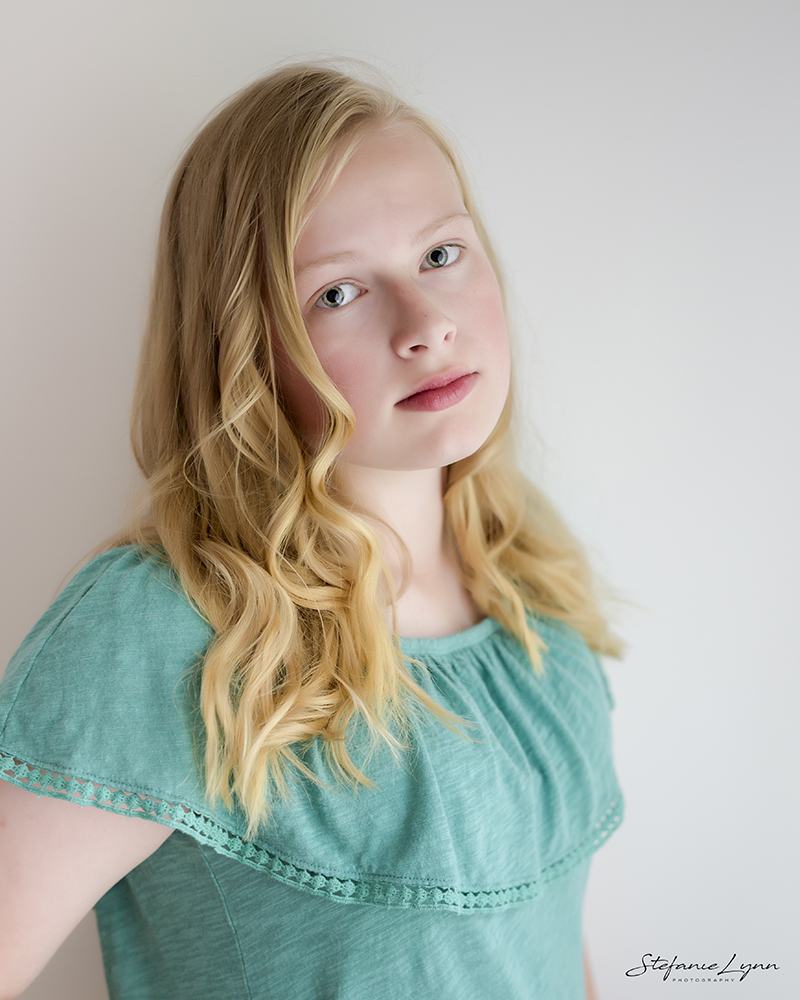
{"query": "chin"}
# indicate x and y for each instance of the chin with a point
(455, 449)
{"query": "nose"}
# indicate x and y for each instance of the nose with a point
(419, 322)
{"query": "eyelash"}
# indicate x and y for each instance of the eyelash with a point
(332, 306)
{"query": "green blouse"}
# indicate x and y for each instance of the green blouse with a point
(461, 873)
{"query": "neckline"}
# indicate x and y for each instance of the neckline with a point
(433, 645)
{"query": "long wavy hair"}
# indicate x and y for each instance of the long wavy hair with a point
(289, 576)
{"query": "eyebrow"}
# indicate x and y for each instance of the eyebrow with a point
(331, 258)
(434, 227)
(348, 255)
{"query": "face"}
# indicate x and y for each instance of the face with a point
(402, 308)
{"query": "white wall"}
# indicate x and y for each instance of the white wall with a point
(639, 164)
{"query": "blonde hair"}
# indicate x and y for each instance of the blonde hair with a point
(290, 577)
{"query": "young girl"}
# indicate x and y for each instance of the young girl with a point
(285, 798)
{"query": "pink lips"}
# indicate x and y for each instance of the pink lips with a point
(440, 393)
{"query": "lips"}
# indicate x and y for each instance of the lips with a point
(441, 392)
(440, 381)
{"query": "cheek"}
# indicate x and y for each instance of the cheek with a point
(489, 323)
(353, 372)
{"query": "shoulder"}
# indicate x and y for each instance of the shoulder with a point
(101, 674)
(568, 655)
(126, 588)
(123, 610)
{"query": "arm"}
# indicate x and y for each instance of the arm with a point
(588, 979)
(57, 859)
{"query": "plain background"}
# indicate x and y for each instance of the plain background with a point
(638, 164)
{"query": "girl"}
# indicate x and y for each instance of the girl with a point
(322, 416)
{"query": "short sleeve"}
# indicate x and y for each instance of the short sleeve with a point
(98, 694)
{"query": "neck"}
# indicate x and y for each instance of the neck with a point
(431, 597)
(410, 503)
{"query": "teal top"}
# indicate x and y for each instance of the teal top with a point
(460, 874)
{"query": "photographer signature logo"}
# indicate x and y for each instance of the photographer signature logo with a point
(709, 970)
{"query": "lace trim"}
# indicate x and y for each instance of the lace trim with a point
(209, 832)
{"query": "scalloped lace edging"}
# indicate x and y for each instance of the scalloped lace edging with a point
(364, 890)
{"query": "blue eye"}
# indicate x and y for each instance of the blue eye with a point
(337, 295)
(442, 256)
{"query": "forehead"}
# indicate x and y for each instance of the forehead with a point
(385, 156)
(397, 177)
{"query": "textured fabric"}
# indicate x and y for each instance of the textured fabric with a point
(463, 868)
